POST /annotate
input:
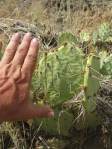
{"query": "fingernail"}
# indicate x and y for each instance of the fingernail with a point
(15, 36)
(28, 34)
(27, 37)
(35, 42)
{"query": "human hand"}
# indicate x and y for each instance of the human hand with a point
(16, 69)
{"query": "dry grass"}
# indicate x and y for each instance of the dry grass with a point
(53, 18)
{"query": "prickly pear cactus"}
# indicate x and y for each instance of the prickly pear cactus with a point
(67, 37)
(90, 118)
(60, 74)
(91, 76)
(103, 33)
(59, 77)
(84, 37)
(106, 64)
(60, 124)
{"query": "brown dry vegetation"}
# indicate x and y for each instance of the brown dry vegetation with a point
(55, 17)
(51, 16)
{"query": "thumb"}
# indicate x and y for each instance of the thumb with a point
(36, 111)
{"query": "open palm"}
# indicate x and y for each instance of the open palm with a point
(16, 68)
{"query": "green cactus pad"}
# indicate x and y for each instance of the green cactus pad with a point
(59, 77)
(60, 124)
(60, 74)
(90, 117)
(103, 33)
(91, 77)
(106, 64)
(67, 38)
(84, 36)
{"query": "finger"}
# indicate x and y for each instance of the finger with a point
(27, 112)
(30, 60)
(31, 111)
(11, 49)
(34, 111)
(22, 50)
